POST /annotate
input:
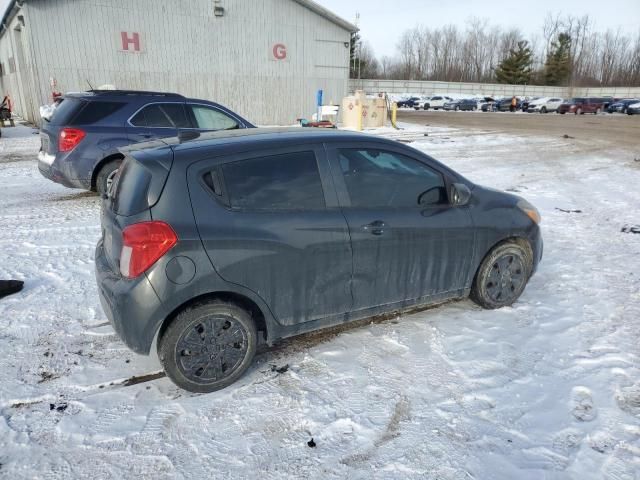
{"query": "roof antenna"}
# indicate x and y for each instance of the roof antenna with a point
(90, 86)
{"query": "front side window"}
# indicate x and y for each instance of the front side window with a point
(208, 118)
(290, 181)
(161, 115)
(377, 178)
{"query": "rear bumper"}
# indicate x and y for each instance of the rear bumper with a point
(132, 306)
(48, 165)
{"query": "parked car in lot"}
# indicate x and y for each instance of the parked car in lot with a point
(461, 104)
(620, 106)
(504, 104)
(481, 101)
(438, 101)
(633, 109)
(408, 102)
(545, 104)
(80, 141)
(580, 105)
(423, 103)
(216, 244)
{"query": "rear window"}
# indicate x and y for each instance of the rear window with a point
(93, 112)
(289, 181)
(66, 110)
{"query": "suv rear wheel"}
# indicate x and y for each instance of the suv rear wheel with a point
(208, 346)
(105, 176)
(502, 276)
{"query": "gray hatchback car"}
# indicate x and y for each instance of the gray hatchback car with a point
(80, 142)
(213, 245)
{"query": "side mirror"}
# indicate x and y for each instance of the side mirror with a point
(460, 194)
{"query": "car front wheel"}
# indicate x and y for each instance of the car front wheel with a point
(208, 346)
(502, 276)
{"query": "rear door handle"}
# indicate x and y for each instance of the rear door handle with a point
(376, 227)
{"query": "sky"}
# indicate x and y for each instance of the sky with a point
(382, 22)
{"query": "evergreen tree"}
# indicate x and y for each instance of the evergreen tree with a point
(557, 68)
(516, 69)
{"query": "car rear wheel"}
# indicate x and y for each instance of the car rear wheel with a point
(208, 346)
(105, 176)
(502, 276)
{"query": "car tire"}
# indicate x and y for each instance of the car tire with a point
(543, 110)
(426, 107)
(201, 326)
(502, 276)
(106, 174)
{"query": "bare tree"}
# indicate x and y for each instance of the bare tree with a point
(472, 54)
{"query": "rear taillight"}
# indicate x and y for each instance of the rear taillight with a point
(70, 138)
(143, 244)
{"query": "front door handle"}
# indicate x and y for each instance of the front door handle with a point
(375, 228)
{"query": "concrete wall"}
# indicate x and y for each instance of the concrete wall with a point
(185, 48)
(490, 89)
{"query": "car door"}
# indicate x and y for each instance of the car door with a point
(157, 120)
(270, 222)
(207, 118)
(408, 241)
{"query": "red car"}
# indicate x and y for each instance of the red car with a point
(579, 106)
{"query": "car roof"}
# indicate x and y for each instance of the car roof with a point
(188, 140)
(129, 94)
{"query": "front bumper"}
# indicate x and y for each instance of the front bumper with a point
(132, 306)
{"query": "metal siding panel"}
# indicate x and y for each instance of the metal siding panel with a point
(188, 50)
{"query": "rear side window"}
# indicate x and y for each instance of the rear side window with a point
(161, 115)
(66, 110)
(208, 118)
(289, 181)
(95, 111)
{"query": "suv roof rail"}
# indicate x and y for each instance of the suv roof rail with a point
(134, 92)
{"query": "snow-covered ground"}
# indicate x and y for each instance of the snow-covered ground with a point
(547, 389)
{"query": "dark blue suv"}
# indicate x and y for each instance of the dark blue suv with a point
(210, 245)
(80, 142)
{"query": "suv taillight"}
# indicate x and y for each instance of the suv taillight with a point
(70, 138)
(143, 244)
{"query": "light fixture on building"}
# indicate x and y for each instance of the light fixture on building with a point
(218, 9)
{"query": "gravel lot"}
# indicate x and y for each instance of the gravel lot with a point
(610, 129)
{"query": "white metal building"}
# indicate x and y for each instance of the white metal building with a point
(265, 59)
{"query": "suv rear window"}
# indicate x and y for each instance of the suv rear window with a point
(65, 110)
(95, 111)
(289, 181)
